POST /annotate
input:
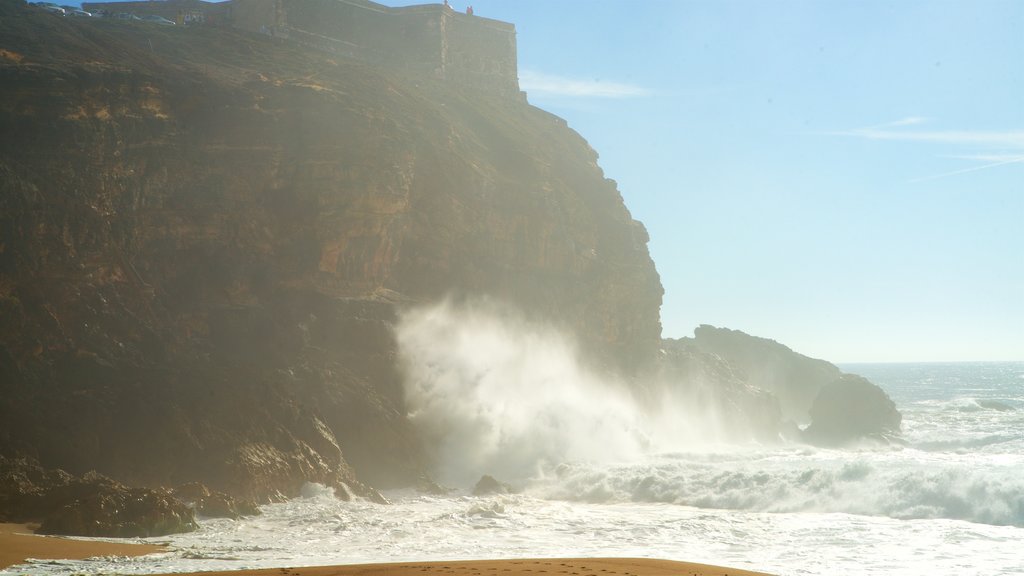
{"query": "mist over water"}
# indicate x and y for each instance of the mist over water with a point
(494, 393)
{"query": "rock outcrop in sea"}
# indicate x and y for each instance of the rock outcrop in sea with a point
(851, 408)
(767, 365)
(765, 389)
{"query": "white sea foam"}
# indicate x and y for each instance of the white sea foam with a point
(321, 530)
(893, 484)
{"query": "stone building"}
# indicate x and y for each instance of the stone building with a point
(430, 38)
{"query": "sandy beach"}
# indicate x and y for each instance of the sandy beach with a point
(18, 543)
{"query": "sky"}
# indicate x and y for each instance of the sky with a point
(845, 177)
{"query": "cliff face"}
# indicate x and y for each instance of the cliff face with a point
(205, 238)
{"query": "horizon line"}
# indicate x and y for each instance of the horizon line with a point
(927, 362)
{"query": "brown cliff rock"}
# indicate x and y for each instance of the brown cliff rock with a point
(205, 236)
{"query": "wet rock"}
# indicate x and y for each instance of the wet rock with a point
(212, 504)
(427, 485)
(92, 505)
(25, 487)
(111, 510)
(490, 485)
(852, 408)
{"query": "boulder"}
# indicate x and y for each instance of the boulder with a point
(427, 485)
(490, 485)
(116, 511)
(24, 487)
(851, 408)
(91, 505)
(213, 504)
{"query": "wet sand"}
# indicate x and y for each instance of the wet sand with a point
(17, 542)
(539, 567)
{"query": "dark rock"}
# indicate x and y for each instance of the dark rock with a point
(213, 504)
(489, 485)
(111, 510)
(852, 408)
(25, 487)
(92, 505)
(427, 485)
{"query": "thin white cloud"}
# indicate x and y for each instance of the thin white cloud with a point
(896, 131)
(993, 158)
(550, 85)
(908, 121)
(1017, 160)
(1005, 146)
(1004, 139)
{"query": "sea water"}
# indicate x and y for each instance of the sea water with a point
(950, 501)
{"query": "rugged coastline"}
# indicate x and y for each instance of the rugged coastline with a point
(207, 238)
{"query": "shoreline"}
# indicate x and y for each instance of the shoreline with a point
(18, 543)
(515, 567)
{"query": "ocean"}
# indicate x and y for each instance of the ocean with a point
(949, 501)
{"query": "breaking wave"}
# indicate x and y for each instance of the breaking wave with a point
(890, 485)
(493, 393)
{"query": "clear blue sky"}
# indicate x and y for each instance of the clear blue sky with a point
(846, 177)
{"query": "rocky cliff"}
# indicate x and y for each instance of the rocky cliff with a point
(205, 238)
